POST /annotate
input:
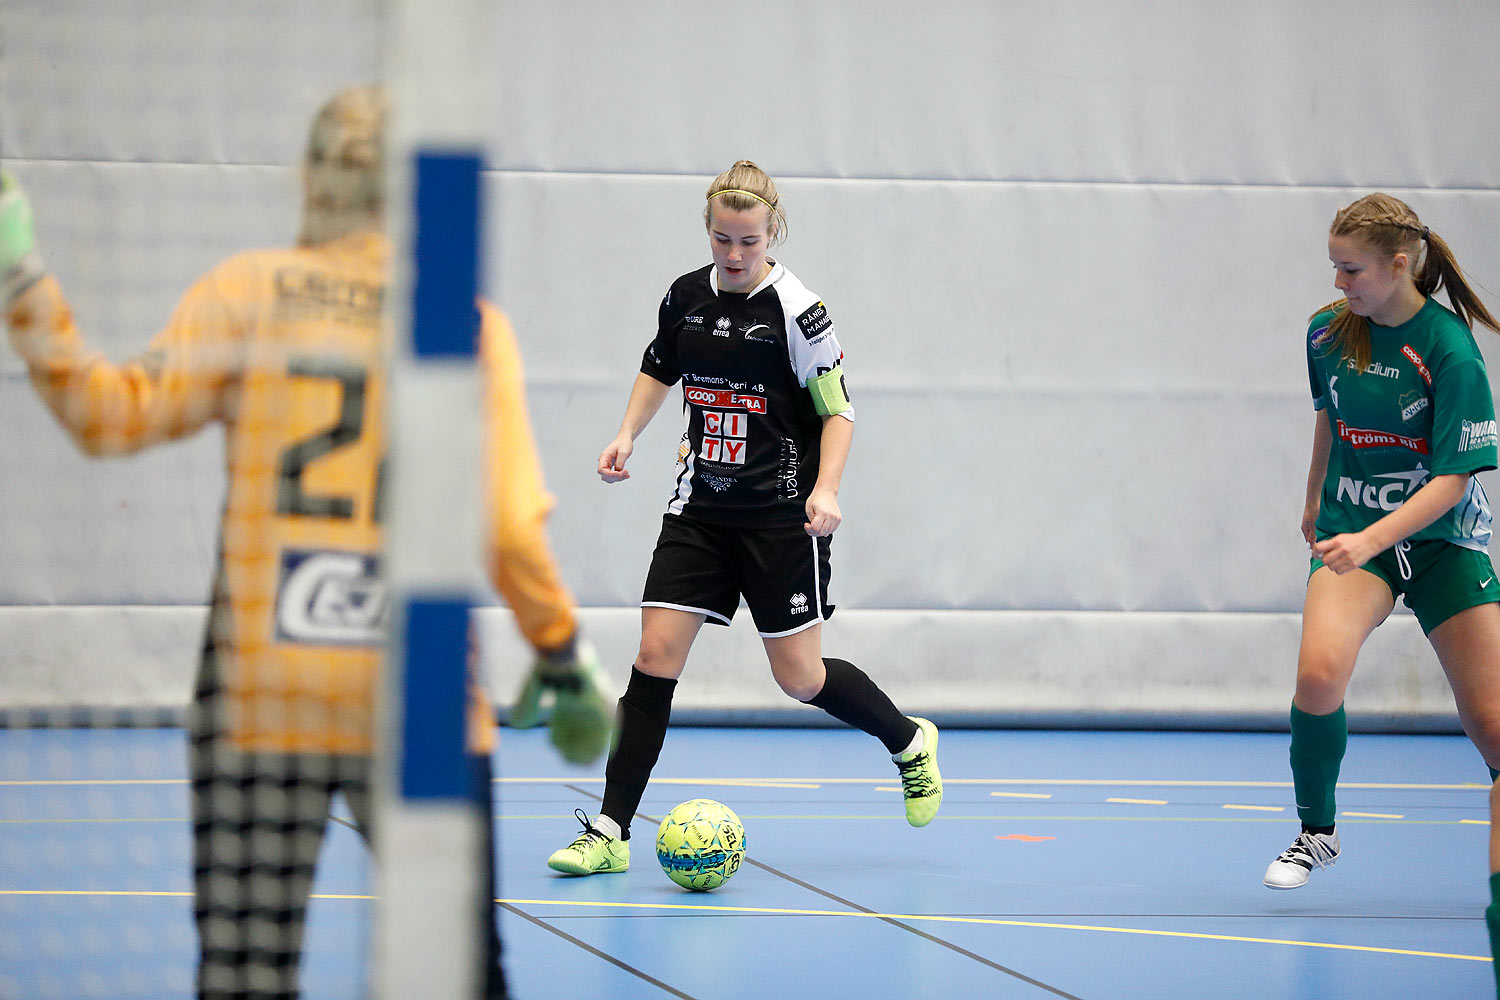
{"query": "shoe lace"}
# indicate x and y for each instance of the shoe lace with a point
(589, 834)
(1307, 850)
(916, 780)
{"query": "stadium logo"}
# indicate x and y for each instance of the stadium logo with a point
(1376, 368)
(330, 599)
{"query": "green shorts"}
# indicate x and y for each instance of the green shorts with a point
(1438, 579)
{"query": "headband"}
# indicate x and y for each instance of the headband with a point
(752, 194)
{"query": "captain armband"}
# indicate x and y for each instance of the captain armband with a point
(830, 395)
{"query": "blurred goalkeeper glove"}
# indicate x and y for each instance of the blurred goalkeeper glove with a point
(579, 727)
(20, 264)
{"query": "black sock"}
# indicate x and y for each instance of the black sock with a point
(640, 728)
(1324, 830)
(850, 696)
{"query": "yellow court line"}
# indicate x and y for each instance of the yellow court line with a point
(1022, 795)
(1268, 809)
(741, 782)
(857, 914)
(1374, 815)
(147, 892)
(996, 922)
(816, 782)
(99, 819)
(849, 817)
(1139, 802)
(1070, 782)
(99, 781)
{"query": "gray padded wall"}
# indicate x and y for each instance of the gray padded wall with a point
(1069, 254)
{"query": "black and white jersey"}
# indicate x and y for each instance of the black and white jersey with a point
(749, 453)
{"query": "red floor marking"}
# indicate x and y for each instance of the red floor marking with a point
(1025, 837)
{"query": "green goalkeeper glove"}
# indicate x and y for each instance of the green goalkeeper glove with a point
(20, 264)
(579, 726)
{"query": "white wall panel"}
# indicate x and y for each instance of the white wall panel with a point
(1068, 396)
(969, 667)
(176, 81)
(1069, 251)
(1277, 93)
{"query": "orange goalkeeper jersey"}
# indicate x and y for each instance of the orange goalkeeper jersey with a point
(284, 348)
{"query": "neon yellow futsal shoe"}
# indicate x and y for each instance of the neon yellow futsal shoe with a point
(593, 853)
(921, 784)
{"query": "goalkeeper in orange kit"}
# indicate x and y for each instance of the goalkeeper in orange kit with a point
(284, 348)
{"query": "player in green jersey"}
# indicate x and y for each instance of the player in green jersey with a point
(1392, 506)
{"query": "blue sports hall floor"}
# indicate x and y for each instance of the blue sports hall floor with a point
(1063, 864)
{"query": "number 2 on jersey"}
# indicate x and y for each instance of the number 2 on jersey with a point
(292, 498)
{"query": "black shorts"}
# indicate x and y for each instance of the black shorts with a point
(782, 572)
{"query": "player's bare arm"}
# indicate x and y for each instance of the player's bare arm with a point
(823, 514)
(1345, 553)
(1316, 471)
(646, 397)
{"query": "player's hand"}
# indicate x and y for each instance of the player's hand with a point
(823, 515)
(1346, 553)
(1310, 523)
(612, 460)
(582, 710)
(20, 264)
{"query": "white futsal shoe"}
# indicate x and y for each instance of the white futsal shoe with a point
(1292, 869)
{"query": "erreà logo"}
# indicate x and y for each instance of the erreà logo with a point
(721, 327)
(799, 603)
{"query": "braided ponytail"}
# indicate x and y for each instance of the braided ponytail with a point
(1388, 226)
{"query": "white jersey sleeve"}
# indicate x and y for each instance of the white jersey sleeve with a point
(812, 344)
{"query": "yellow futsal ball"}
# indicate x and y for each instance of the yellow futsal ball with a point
(700, 844)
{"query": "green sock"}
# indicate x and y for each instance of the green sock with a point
(1318, 743)
(1492, 918)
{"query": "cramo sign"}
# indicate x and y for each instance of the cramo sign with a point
(1383, 495)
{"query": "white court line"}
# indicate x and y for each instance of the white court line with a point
(1022, 795)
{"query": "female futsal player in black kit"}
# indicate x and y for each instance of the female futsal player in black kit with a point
(769, 425)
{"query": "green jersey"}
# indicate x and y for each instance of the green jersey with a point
(1422, 408)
